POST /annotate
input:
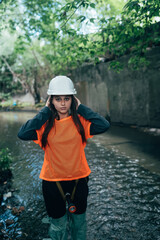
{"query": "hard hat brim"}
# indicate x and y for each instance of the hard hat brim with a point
(61, 93)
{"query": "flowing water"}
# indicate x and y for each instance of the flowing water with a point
(124, 196)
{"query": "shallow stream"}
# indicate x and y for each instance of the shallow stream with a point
(124, 196)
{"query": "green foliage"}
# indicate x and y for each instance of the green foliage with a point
(5, 159)
(45, 38)
(137, 62)
(40, 105)
(116, 65)
(4, 96)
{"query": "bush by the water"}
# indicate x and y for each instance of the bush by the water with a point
(5, 171)
(5, 159)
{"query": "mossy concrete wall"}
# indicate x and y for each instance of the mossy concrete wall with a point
(129, 97)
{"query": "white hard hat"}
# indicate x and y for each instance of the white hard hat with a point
(61, 85)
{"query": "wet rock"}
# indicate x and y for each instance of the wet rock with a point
(5, 176)
(9, 207)
(17, 211)
(1, 224)
(9, 222)
(21, 208)
(5, 185)
(7, 195)
(30, 210)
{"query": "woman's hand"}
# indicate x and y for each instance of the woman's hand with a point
(48, 102)
(78, 102)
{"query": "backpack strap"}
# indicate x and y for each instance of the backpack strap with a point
(74, 189)
(62, 192)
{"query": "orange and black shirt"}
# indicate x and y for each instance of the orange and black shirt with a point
(64, 156)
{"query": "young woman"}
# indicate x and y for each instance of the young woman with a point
(61, 129)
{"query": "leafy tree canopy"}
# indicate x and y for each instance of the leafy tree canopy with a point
(40, 39)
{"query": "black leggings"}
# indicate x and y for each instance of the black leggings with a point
(55, 205)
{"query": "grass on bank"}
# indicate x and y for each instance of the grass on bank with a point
(12, 105)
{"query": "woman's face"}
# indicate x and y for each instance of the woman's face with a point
(62, 104)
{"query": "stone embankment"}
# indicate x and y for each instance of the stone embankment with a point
(129, 97)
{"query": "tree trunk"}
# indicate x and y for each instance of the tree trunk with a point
(36, 94)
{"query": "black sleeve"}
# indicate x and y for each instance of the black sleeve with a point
(28, 130)
(98, 123)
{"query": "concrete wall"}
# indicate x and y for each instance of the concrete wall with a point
(129, 97)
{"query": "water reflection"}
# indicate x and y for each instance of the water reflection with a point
(135, 144)
(124, 198)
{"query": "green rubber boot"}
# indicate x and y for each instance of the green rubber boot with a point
(58, 228)
(78, 226)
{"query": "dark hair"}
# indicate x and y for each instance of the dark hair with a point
(54, 115)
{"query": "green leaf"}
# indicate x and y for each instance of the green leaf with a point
(92, 20)
(92, 5)
(81, 18)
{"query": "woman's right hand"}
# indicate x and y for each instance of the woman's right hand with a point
(48, 102)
